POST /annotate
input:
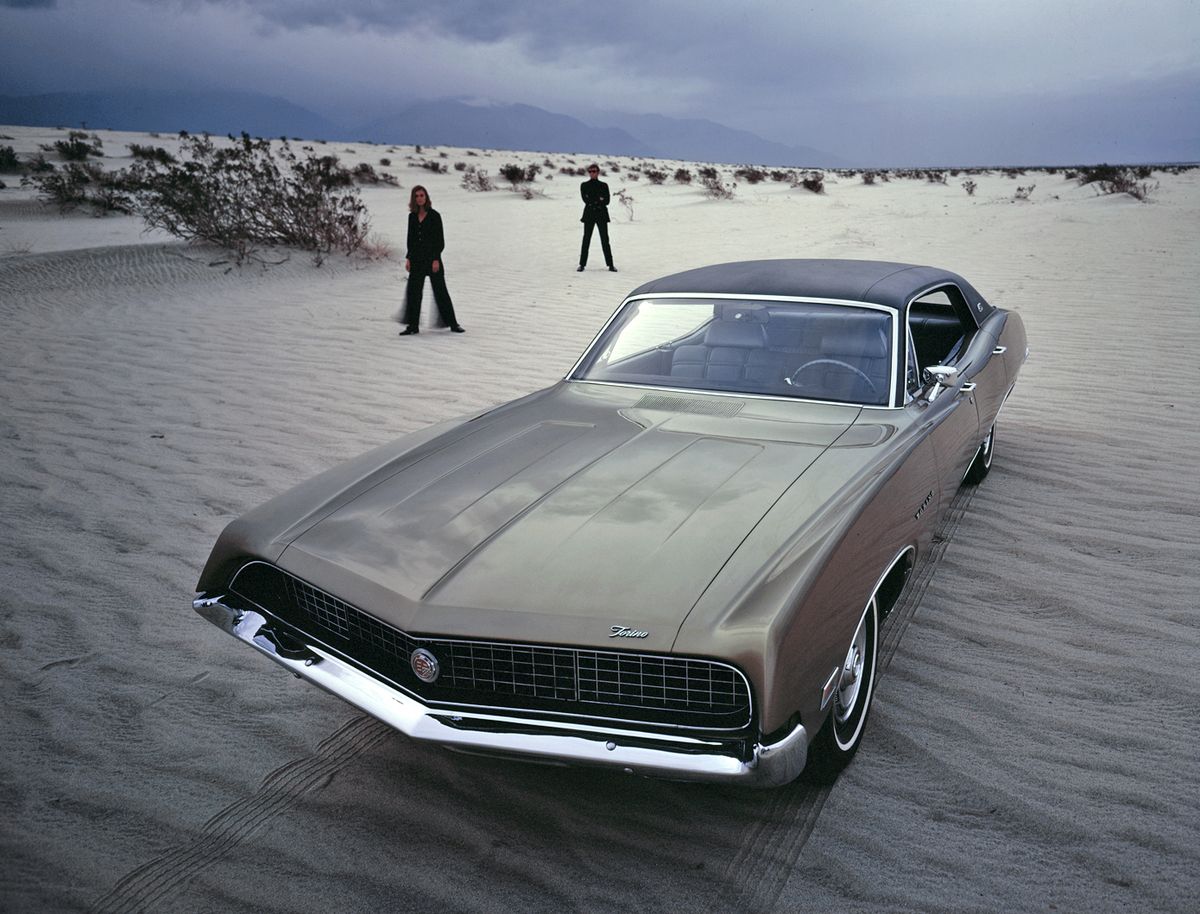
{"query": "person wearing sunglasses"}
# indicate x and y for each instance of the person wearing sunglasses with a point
(595, 215)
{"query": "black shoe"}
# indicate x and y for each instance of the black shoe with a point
(409, 331)
(458, 328)
(611, 268)
(579, 269)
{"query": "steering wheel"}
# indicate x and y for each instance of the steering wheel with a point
(790, 380)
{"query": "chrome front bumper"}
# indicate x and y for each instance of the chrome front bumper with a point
(633, 751)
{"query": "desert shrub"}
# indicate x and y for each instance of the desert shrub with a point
(935, 177)
(1013, 172)
(516, 174)
(1090, 174)
(385, 162)
(1022, 193)
(750, 175)
(77, 146)
(8, 159)
(814, 181)
(460, 166)
(683, 176)
(654, 176)
(152, 153)
(245, 196)
(363, 173)
(614, 167)
(38, 164)
(784, 177)
(1070, 174)
(707, 173)
(1126, 182)
(79, 184)
(1142, 172)
(626, 201)
(969, 186)
(476, 179)
(868, 177)
(430, 165)
(632, 176)
(716, 189)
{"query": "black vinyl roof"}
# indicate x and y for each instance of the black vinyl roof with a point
(877, 282)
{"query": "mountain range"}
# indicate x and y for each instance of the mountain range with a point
(444, 122)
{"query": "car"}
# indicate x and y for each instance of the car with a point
(674, 562)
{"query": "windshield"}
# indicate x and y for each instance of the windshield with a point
(808, 350)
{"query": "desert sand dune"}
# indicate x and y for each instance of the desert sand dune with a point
(1035, 736)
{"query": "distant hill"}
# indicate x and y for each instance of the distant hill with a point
(169, 112)
(496, 126)
(449, 122)
(708, 141)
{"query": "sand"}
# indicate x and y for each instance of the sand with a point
(1035, 736)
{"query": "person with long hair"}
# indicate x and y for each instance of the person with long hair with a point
(424, 258)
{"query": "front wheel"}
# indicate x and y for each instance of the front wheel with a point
(982, 464)
(839, 739)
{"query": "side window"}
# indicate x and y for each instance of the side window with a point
(940, 324)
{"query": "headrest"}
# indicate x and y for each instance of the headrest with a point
(735, 311)
(735, 333)
(855, 339)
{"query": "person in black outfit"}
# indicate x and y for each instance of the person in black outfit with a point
(595, 215)
(424, 258)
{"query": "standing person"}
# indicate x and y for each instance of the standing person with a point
(424, 258)
(595, 215)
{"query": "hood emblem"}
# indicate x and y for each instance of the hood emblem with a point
(620, 631)
(425, 665)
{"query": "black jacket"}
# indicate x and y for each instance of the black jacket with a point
(595, 200)
(425, 239)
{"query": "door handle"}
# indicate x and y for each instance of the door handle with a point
(1000, 350)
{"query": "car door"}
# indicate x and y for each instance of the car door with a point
(943, 333)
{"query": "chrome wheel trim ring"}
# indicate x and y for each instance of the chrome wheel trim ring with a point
(845, 699)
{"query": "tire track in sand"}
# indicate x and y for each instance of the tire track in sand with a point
(758, 873)
(144, 888)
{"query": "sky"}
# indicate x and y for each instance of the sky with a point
(901, 81)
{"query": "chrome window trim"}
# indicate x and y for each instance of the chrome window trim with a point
(532, 713)
(731, 296)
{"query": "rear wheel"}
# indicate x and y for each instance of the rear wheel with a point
(839, 739)
(982, 463)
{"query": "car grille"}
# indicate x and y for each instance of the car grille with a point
(620, 685)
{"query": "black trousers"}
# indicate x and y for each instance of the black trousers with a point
(587, 241)
(416, 288)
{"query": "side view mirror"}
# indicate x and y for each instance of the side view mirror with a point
(940, 377)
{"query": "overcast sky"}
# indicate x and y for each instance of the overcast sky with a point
(905, 80)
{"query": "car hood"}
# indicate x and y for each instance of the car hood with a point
(566, 515)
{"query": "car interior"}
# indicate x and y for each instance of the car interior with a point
(824, 352)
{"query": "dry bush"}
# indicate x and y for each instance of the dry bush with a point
(868, 177)
(151, 153)
(935, 177)
(77, 147)
(8, 160)
(707, 173)
(1022, 193)
(476, 179)
(716, 189)
(750, 175)
(429, 165)
(654, 176)
(784, 177)
(84, 184)
(245, 196)
(385, 162)
(969, 186)
(814, 181)
(517, 175)
(683, 176)
(626, 201)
